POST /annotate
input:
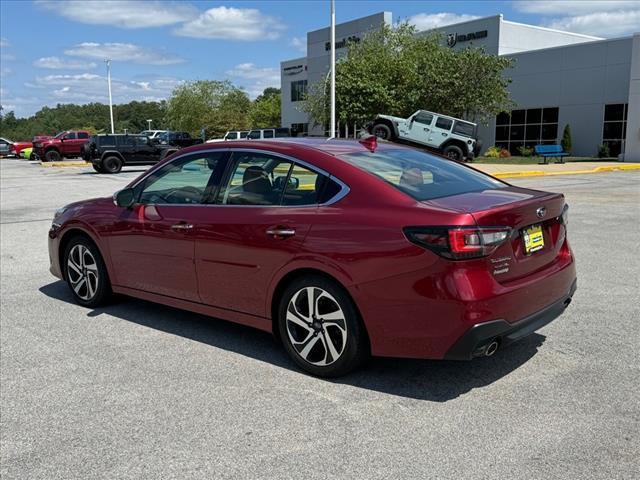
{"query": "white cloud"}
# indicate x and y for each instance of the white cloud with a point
(427, 21)
(57, 63)
(299, 43)
(89, 87)
(257, 78)
(122, 13)
(575, 7)
(604, 24)
(123, 52)
(601, 18)
(4, 43)
(5, 72)
(232, 24)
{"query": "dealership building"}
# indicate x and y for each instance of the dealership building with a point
(558, 78)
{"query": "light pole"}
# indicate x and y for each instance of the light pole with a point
(108, 62)
(149, 120)
(332, 130)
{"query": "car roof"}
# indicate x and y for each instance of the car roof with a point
(334, 147)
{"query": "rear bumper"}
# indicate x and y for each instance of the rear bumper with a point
(474, 342)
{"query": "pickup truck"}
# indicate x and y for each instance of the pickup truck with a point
(65, 144)
(177, 139)
(452, 137)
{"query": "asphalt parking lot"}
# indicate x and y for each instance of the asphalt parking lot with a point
(137, 390)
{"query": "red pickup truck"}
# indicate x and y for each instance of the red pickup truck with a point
(65, 144)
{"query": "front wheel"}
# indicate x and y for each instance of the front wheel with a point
(86, 273)
(52, 156)
(320, 327)
(454, 153)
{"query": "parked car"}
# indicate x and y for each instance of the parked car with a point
(340, 248)
(65, 144)
(5, 147)
(262, 133)
(449, 136)
(9, 148)
(109, 153)
(152, 133)
(178, 139)
(231, 135)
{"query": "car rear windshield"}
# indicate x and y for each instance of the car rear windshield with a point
(464, 128)
(420, 175)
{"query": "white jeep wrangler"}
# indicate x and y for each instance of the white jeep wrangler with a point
(452, 137)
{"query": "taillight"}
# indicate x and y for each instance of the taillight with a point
(459, 243)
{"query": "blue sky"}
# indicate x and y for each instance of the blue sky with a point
(52, 51)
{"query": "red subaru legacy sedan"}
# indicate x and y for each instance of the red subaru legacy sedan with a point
(342, 249)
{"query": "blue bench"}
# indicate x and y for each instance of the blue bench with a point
(550, 151)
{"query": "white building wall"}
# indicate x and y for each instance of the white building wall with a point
(518, 37)
(633, 119)
(290, 112)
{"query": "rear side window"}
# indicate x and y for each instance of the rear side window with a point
(254, 134)
(464, 128)
(420, 175)
(126, 141)
(268, 134)
(444, 123)
(108, 141)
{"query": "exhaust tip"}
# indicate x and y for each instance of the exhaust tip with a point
(491, 349)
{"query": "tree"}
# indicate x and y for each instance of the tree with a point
(396, 71)
(566, 139)
(265, 109)
(216, 106)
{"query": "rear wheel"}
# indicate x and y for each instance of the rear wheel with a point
(320, 327)
(382, 131)
(454, 153)
(86, 273)
(112, 164)
(52, 156)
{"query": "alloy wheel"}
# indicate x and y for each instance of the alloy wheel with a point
(82, 271)
(316, 326)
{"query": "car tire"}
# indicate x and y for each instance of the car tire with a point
(453, 152)
(97, 167)
(328, 342)
(52, 156)
(111, 164)
(86, 273)
(382, 131)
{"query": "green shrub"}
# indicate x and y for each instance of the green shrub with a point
(525, 151)
(603, 151)
(492, 152)
(566, 139)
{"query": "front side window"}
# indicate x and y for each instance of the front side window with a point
(70, 136)
(83, 135)
(423, 118)
(254, 135)
(420, 175)
(187, 180)
(126, 141)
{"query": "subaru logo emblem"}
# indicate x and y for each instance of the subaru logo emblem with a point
(541, 212)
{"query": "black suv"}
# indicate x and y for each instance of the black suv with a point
(178, 139)
(109, 153)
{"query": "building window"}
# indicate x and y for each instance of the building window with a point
(299, 129)
(527, 128)
(298, 90)
(614, 127)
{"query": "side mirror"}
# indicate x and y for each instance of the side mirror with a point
(124, 198)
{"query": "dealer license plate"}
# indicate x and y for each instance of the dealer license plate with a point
(533, 239)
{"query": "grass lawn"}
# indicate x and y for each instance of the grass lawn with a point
(516, 160)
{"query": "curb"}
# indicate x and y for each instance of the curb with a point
(62, 164)
(540, 173)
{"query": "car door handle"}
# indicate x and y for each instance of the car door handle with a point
(182, 227)
(427, 129)
(444, 134)
(281, 232)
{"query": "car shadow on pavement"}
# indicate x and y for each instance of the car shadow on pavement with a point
(431, 380)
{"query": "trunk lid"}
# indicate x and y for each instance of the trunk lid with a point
(517, 208)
